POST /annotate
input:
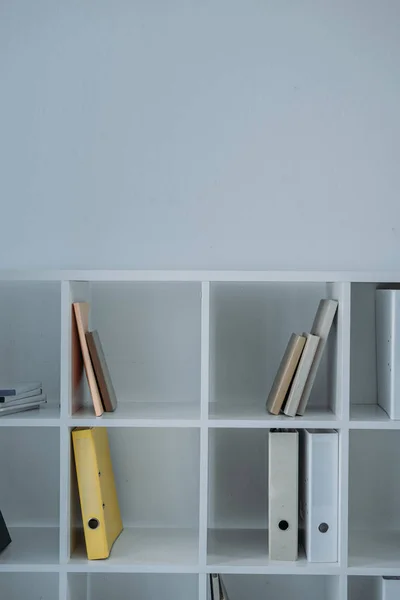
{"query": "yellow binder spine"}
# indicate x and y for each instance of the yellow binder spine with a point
(101, 525)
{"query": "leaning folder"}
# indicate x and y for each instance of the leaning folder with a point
(101, 517)
(319, 494)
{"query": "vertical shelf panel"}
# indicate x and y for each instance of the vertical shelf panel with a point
(205, 390)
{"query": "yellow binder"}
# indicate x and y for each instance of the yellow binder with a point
(98, 497)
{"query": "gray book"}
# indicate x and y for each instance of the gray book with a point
(321, 328)
(102, 374)
(16, 389)
(8, 410)
(301, 375)
(32, 393)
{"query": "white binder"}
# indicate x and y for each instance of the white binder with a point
(319, 494)
(390, 588)
(387, 312)
(283, 478)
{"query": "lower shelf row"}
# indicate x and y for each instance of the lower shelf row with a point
(121, 586)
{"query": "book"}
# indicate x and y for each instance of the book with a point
(101, 517)
(5, 538)
(321, 327)
(319, 495)
(38, 399)
(103, 377)
(285, 373)
(387, 320)
(81, 310)
(8, 409)
(16, 389)
(23, 396)
(283, 477)
(300, 377)
(217, 587)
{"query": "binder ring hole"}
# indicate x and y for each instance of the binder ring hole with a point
(93, 523)
(283, 525)
(323, 527)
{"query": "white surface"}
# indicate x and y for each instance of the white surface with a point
(147, 549)
(35, 586)
(183, 474)
(30, 476)
(304, 587)
(102, 586)
(31, 546)
(121, 121)
(319, 468)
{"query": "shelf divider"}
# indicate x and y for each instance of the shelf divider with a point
(205, 387)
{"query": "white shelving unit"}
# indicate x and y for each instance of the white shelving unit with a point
(192, 357)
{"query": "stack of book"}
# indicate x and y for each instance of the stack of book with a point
(19, 397)
(295, 377)
(94, 360)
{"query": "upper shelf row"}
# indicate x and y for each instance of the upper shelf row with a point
(178, 350)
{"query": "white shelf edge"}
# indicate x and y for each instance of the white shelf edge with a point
(143, 423)
(271, 424)
(201, 275)
(284, 569)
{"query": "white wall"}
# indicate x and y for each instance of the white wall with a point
(200, 133)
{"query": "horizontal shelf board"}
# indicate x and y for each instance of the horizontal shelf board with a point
(374, 549)
(46, 416)
(31, 545)
(201, 275)
(222, 414)
(370, 416)
(142, 414)
(246, 551)
(146, 547)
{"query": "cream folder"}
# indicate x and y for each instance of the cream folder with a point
(319, 494)
(390, 588)
(283, 461)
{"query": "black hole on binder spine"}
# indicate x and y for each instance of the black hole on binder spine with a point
(93, 523)
(283, 525)
(323, 527)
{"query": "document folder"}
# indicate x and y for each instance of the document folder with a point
(98, 497)
(319, 494)
(283, 464)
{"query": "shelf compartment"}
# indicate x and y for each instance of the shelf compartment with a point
(364, 588)
(374, 493)
(276, 587)
(29, 494)
(364, 405)
(250, 325)
(102, 586)
(150, 333)
(30, 340)
(157, 475)
(35, 586)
